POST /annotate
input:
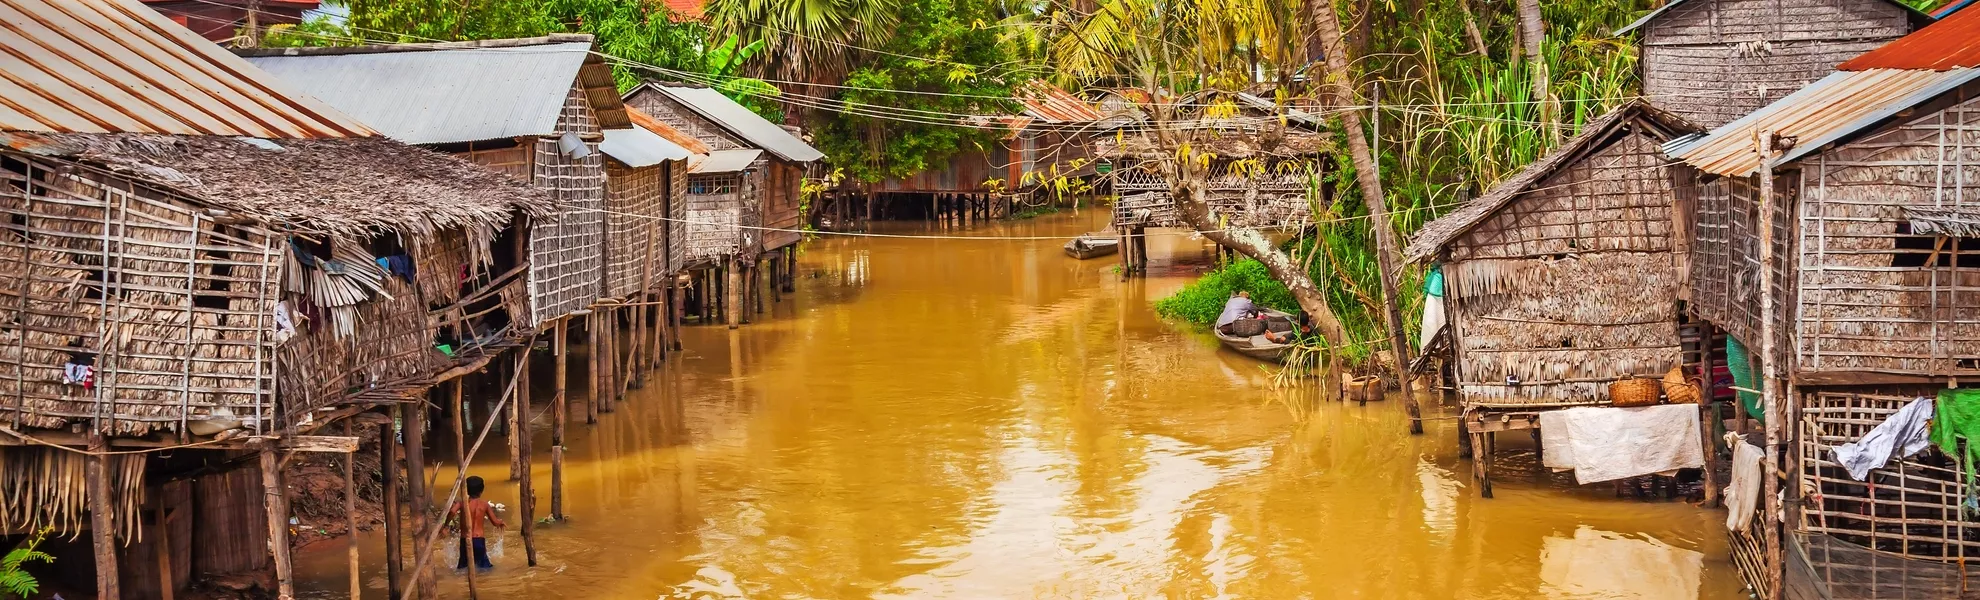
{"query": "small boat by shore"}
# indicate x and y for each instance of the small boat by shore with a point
(1257, 346)
(1092, 246)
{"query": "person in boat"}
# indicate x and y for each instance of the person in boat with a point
(1236, 308)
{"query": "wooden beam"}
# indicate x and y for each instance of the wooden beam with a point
(560, 408)
(461, 458)
(343, 444)
(388, 468)
(418, 498)
(277, 505)
(526, 487)
(350, 516)
(161, 544)
(102, 518)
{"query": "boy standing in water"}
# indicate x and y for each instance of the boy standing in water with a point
(477, 511)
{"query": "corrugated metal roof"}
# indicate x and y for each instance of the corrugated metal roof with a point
(1839, 105)
(725, 161)
(438, 94)
(114, 66)
(1948, 44)
(738, 120)
(1271, 107)
(1048, 103)
(1634, 25)
(638, 147)
(661, 128)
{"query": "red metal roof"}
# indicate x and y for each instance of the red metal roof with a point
(684, 10)
(1951, 43)
(1047, 102)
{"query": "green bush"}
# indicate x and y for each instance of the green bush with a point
(1202, 300)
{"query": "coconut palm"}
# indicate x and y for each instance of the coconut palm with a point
(810, 41)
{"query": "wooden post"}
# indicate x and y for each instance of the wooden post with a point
(350, 516)
(388, 468)
(756, 284)
(1770, 384)
(461, 465)
(591, 353)
(525, 486)
(162, 540)
(278, 525)
(508, 425)
(675, 310)
(1709, 410)
(777, 277)
(732, 300)
(557, 432)
(790, 269)
(608, 358)
(102, 518)
(418, 498)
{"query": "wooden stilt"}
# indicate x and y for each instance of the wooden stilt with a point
(418, 499)
(674, 312)
(624, 355)
(388, 469)
(732, 300)
(557, 432)
(103, 524)
(756, 285)
(591, 327)
(777, 277)
(278, 526)
(525, 486)
(1481, 462)
(509, 428)
(1709, 413)
(162, 540)
(350, 517)
(461, 465)
(790, 269)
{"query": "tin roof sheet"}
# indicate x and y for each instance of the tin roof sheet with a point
(739, 120)
(725, 161)
(441, 93)
(114, 66)
(661, 128)
(1828, 110)
(1948, 44)
(1049, 103)
(638, 147)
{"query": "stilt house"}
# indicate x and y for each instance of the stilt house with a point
(1871, 178)
(743, 201)
(1264, 161)
(1049, 137)
(535, 108)
(1564, 277)
(200, 261)
(640, 166)
(1712, 61)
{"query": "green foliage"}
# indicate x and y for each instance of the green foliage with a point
(428, 20)
(1202, 300)
(882, 132)
(15, 582)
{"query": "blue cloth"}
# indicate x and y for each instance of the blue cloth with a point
(1238, 307)
(1433, 281)
(480, 556)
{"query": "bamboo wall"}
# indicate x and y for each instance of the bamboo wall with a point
(99, 264)
(1859, 310)
(708, 232)
(1571, 285)
(1909, 508)
(565, 249)
(1276, 198)
(1713, 61)
(684, 119)
(676, 203)
(1725, 253)
(634, 197)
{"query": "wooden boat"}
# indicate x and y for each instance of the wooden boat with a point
(1092, 246)
(1257, 346)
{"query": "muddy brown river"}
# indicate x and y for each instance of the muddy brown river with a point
(991, 419)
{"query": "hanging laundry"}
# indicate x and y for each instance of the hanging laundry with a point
(80, 370)
(1743, 495)
(1433, 307)
(1746, 374)
(1604, 443)
(1904, 433)
(1957, 415)
(398, 264)
(285, 325)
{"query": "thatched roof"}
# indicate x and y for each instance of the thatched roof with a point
(1950, 222)
(1438, 233)
(1225, 144)
(348, 186)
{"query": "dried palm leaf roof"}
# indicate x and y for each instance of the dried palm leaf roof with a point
(1438, 233)
(344, 186)
(1950, 222)
(1253, 143)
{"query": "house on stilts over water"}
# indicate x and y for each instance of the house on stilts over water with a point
(1837, 234)
(742, 204)
(1560, 281)
(204, 269)
(1265, 162)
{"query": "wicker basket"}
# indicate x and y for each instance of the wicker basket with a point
(1680, 389)
(1634, 391)
(1245, 327)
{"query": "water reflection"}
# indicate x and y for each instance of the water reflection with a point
(1601, 564)
(989, 419)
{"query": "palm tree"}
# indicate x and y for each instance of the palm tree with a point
(807, 41)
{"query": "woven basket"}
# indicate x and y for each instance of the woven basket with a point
(1245, 327)
(1680, 389)
(1633, 391)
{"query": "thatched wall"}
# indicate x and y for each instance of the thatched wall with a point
(1875, 297)
(1712, 61)
(1570, 284)
(565, 248)
(676, 203)
(102, 266)
(632, 228)
(679, 116)
(707, 229)
(1274, 198)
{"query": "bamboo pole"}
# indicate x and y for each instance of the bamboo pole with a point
(1710, 407)
(509, 431)
(526, 486)
(431, 537)
(732, 297)
(591, 354)
(350, 517)
(557, 432)
(163, 542)
(461, 457)
(675, 313)
(1770, 369)
(419, 498)
(608, 334)
(277, 496)
(102, 519)
(388, 468)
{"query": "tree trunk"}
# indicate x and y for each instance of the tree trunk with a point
(1533, 36)
(1340, 76)
(1471, 31)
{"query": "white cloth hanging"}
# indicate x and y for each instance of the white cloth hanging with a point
(1606, 443)
(1904, 433)
(1743, 495)
(1433, 321)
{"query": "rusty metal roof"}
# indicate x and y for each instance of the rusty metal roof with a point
(1048, 103)
(1948, 44)
(114, 66)
(1839, 105)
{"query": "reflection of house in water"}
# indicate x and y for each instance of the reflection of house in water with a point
(1600, 564)
(1870, 182)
